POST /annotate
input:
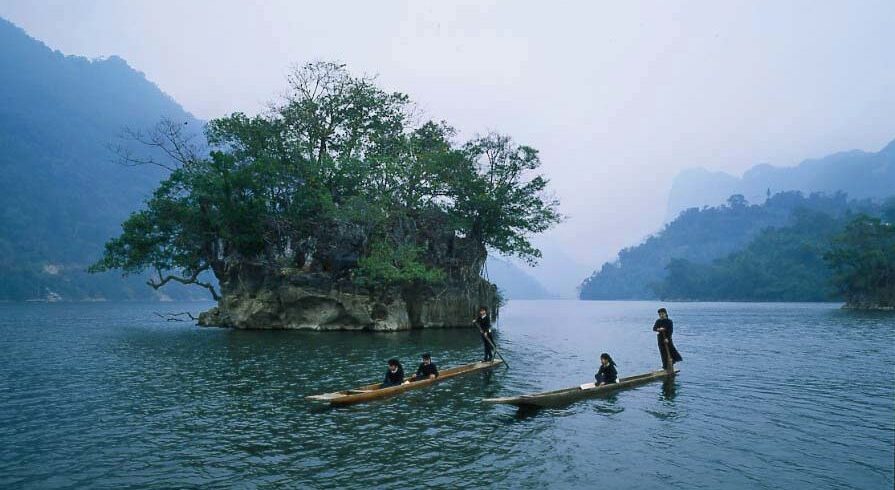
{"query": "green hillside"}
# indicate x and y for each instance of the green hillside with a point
(63, 192)
(700, 236)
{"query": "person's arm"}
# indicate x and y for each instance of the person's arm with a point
(435, 368)
(613, 374)
(656, 326)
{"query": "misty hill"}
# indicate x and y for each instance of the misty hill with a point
(63, 194)
(700, 236)
(793, 263)
(513, 282)
(859, 174)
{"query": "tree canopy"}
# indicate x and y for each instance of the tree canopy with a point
(699, 236)
(818, 256)
(862, 259)
(338, 178)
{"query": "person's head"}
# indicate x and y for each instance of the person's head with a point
(606, 360)
(483, 312)
(427, 358)
(663, 313)
(393, 365)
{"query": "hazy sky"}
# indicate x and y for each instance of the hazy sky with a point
(619, 96)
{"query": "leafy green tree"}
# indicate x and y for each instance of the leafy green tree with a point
(863, 262)
(337, 179)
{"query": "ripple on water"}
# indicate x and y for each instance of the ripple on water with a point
(770, 396)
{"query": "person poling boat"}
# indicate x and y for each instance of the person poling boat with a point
(664, 327)
(427, 369)
(607, 373)
(484, 324)
(394, 376)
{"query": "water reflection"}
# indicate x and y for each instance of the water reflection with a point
(669, 389)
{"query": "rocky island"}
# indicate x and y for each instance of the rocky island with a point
(335, 210)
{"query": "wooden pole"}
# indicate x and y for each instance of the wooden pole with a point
(669, 360)
(494, 347)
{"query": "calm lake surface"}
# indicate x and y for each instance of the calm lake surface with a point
(769, 396)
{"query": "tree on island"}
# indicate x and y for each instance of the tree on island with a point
(338, 180)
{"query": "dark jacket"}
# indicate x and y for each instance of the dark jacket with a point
(393, 379)
(666, 349)
(424, 371)
(484, 324)
(667, 324)
(607, 374)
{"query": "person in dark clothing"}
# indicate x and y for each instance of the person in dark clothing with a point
(484, 324)
(427, 369)
(607, 372)
(394, 376)
(664, 327)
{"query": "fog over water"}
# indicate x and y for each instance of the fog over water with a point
(618, 96)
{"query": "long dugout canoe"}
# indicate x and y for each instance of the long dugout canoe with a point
(374, 392)
(569, 395)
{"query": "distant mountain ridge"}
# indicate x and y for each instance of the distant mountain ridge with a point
(858, 173)
(702, 235)
(513, 281)
(63, 194)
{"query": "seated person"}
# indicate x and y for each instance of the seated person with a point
(427, 369)
(607, 372)
(394, 376)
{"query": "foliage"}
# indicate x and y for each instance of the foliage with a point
(395, 265)
(780, 264)
(338, 179)
(862, 259)
(700, 236)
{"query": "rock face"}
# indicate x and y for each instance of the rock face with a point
(257, 298)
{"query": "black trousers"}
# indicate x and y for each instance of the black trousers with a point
(487, 340)
(667, 350)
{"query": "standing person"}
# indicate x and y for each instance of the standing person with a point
(394, 376)
(427, 369)
(664, 327)
(607, 373)
(484, 324)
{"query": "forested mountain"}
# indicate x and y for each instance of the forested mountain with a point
(780, 264)
(699, 236)
(857, 173)
(818, 257)
(63, 192)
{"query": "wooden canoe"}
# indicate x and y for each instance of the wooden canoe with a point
(569, 395)
(374, 392)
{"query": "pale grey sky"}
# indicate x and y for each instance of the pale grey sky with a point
(618, 96)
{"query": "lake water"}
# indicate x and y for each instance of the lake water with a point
(769, 396)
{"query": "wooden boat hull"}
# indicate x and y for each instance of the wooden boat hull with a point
(569, 395)
(374, 392)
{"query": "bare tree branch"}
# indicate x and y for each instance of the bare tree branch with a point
(176, 317)
(167, 136)
(193, 279)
